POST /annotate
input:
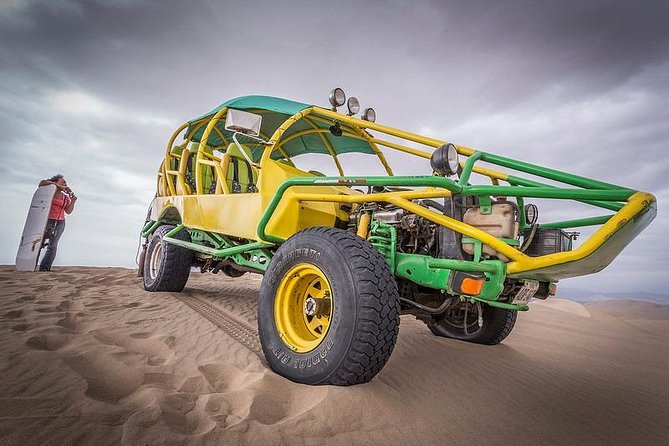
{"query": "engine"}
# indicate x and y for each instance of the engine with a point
(501, 218)
(417, 235)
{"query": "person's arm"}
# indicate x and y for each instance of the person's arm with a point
(47, 182)
(70, 206)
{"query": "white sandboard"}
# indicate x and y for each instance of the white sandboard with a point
(33, 230)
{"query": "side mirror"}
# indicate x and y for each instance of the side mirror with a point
(243, 122)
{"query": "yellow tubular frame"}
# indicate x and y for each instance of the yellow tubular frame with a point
(327, 144)
(358, 129)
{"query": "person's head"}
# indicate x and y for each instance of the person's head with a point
(58, 179)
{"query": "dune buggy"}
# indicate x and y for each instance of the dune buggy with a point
(344, 256)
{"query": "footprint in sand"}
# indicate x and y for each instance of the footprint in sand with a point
(227, 378)
(109, 379)
(21, 327)
(185, 413)
(158, 350)
(70, 305)
(219, 410)
(27, 298)
(141, 335)
(48, 342)
(73, 322)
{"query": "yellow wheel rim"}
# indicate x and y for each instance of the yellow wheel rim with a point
(303, 307)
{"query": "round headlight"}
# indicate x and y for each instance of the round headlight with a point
(531, 213)
(369, 114)
(445, 160)
(353, 105)
(337, 97)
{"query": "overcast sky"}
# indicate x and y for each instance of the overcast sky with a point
(93, 90)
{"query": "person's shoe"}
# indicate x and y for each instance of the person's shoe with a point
(41, 268)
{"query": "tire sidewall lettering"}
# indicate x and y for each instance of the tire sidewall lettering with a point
(316, 364)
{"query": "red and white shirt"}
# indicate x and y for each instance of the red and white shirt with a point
(60, 201)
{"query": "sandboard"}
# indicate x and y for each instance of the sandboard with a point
(33, 230)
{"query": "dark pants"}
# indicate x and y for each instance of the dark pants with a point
(54, 229)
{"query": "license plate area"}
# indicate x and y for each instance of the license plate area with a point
(526, 293)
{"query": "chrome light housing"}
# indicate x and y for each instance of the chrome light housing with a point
(369, 114)
(337, 97)
(531, 213)
(445, 160)
(353, 105)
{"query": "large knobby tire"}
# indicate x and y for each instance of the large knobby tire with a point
(166, 266)
(497, 324)
(328, 310)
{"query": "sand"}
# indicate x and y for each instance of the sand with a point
(88, 357)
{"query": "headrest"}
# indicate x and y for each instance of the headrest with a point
(178, 150)
(194, 146)
(234, 151)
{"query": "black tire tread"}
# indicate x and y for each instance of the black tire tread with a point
(175, 267)
(496, 328)
(378, 310)
(503, 329)
(374, 340)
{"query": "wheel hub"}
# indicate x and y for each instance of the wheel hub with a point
(303, 307)
(310, 306)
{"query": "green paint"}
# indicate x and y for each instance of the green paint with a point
(435, 273)
(550, 174)
(384, 238)
(469, 165)
(506, 306)
(150, 227)
(248, 254)
(517, 181)
(590, 221)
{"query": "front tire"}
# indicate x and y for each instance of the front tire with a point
(497, 324)
(328, 310)
(166, 266)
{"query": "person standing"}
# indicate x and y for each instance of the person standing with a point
(63, 203)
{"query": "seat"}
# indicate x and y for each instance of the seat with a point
(208, 176)
(240, 176)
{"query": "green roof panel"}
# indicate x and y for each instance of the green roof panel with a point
(274, 112)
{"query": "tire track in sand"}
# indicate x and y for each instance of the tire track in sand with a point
(238, 330)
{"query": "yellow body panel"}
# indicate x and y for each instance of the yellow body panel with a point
(238, 214)
(291, 215)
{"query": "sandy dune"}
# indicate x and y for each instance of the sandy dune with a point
(88, 357)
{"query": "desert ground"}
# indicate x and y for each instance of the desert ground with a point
(88, 357)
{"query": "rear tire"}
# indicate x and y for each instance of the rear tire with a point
(328, 310)
(497, 324)
(166, 266)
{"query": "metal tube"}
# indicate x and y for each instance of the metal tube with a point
(440, 309)
(590, 221)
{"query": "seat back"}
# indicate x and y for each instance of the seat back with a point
(241, 176)
(208, 175)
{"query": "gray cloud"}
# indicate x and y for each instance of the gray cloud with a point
(576, 85)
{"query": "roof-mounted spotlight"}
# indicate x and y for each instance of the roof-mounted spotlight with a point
(335, 129)
(337, 98)
(353, 105)
(369, 114)
(531, 213)
(445, 160)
